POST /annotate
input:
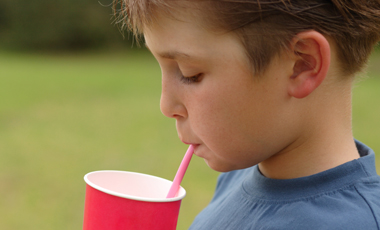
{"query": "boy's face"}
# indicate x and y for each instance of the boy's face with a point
(235, 119)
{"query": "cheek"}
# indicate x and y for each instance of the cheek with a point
(238, 120)
(221, 120)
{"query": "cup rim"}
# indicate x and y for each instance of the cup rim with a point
(88, 182)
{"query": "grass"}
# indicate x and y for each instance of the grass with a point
(366, 107)
(62, 116)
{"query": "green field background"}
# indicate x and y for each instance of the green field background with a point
(64, 115)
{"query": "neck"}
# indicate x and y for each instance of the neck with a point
(325, 143)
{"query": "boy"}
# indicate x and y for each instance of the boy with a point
(262, 88)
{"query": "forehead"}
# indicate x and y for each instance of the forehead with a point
(167, 32)
(184, 37)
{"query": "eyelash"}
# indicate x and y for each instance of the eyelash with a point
(192, 79)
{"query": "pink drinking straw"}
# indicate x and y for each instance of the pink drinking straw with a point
(181, 172)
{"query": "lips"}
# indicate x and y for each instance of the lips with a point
(189, 143)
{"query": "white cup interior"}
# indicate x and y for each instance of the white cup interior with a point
(131, 185)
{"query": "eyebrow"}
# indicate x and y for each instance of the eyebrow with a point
(171, 54)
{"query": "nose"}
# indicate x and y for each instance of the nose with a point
(171, 103)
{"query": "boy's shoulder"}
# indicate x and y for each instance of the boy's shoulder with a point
(346, 197)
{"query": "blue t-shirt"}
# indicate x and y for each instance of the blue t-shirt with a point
(346, 197)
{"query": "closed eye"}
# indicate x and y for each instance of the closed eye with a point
(192, 79)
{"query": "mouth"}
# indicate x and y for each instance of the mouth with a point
(195, 145)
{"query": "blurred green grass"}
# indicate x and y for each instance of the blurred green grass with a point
(64, 115)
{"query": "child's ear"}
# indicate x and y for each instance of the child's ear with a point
(312, 60)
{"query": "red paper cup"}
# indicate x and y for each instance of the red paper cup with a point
(127, 200)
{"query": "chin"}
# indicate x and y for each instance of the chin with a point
(223, 167)
(219, 167)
